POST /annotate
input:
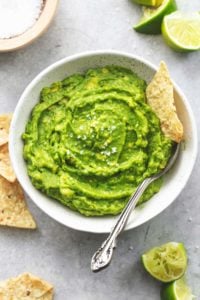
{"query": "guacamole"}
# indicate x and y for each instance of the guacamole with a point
(92, 139)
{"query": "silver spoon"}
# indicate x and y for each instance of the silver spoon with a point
(103, 255)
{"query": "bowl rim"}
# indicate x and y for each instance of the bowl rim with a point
(55, 65)
(35, 31)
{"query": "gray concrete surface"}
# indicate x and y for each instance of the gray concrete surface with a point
(61, 255)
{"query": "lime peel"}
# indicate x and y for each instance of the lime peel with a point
(152, 18)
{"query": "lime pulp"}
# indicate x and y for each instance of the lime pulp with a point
(153, 3)
(181, 31)
(167, 262)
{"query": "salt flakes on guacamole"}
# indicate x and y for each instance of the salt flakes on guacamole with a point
(26, 287)
(92, 139)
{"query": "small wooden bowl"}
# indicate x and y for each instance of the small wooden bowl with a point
(40, 26)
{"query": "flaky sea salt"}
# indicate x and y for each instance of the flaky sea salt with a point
(17, 16)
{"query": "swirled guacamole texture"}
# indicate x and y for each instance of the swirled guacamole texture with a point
(92, 139)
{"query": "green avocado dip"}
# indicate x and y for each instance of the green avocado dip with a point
(92, 139)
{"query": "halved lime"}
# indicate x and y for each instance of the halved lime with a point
(181, 31)
(152, 17)
(177, 290)
(153, 3)
(167, 262)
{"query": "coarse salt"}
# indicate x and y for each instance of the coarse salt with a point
(17, 16)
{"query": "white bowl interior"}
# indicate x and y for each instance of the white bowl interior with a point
(174, 181)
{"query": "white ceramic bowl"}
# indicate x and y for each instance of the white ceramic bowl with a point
(174, 181)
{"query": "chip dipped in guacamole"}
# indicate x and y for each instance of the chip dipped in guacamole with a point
(92, 139)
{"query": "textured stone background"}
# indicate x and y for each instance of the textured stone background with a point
(62, 255)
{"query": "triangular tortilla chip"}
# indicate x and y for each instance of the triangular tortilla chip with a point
(6, 169)
(26, 287)
(13, 208)
(4, 128)
(160, 96)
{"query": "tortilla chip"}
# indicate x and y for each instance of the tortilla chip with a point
(6, 169)
(4, 128)
(13, 208)
(26, 287)
(160, 96)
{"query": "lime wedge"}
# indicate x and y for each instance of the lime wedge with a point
(181, 31)
(177, 290)
(152, 17)
(153, 3)
(167, 262)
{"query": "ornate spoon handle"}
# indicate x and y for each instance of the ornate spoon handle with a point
(103, 255)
